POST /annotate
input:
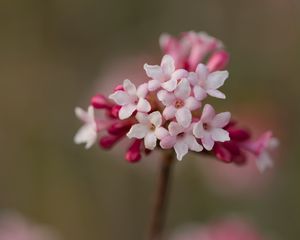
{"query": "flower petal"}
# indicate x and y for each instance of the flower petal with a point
(202, 72)
(154, 85)
(142, 90)
(154, 72)
(208, 113)
(129, 87)
(181, 149)
(264, 161)
(193, 144)
(207, 142)
(150, 141)
(169, 112)
(86, 134)
(198, 130)
(168, 142)
(120, 97)
(175, 128)
(199, 93)
(183, 89)
(169, 85)
(216, 93)
(168, 65)
(138, 131)
(221, 119)
(165, 97)
(180, 73)
(220, 135)
(142, 118)
(216, 79)
(81, 114)
(192, 104)
(155, 118)
(161, 132)
(126, 111)
(143, 105)
(184, 117)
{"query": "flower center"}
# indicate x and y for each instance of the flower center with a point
(206, 126)
(152, 127)
(179, 103)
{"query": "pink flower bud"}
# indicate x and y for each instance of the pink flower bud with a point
(134, 152)
(114, 113)
(100, 102)
(119, 88)
(109, 141)
(218, 61)
(119, 128)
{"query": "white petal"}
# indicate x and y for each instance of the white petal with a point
(192, 103)
(193, 144)
(161, 132)
(199, 93)
(193, 78)
(86, 134)
(181, 149)
(129, 87)
(168, 65)
(168, 142)
(126, 111)
(142, 118)
(220, 135)
(207, 142)
(120, 97)
(175, 128)
(165, 97)
(184, 117)
(221, 119)
(180, 73)
(169, 112)
(208, 113)
(169, 85)
(155, 118)
(202, 72)
(198, 130)
(154, 85)
(138, 131)
(150, 141)
(183, 89)
(264, 161)
(154, 72)
(143, 105)
(216, 93)
(81, 114)
(216, 79)
(142, 90)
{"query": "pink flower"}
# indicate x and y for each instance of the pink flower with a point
(182, 139)
(165, 75)
(204, 82)
(149, 128)
(131, 99)
(210, 127)
(179, 104)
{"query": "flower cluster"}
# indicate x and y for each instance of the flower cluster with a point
(168, 111)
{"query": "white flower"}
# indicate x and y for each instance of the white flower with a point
(210, 127)
(165, 75)
(205, 83)
(131, 99)
(149, 128)
(179, 104)
(182, 139)
(88, 132)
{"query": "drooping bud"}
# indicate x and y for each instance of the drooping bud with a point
(109, 141)
(218, 61)
(101, 102)
(133, 154)
(119, 128)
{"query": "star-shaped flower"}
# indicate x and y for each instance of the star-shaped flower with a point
(210, 127)
(205, 83)
(149, 128)
(179, 103)
(131, 99)
(182, 139)
(165, 75)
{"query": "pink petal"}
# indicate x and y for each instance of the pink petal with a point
(175, 128)
(153, 85)
(168, 142)
(81, 114)
(170, 85)
(183, 89)
(216, 79)
(120, 97)
(193, 144)
(193, 78)
(181, 149)
(143, 105)
(155, 118)
(154, 72)
(221, 119)
(126, 111)
(202, 72)
(165, 97)
(198, 130)
(142, 90)
(129, 87)
(180, 73)
(199, 93)
(208, 113)
(216, 93)
(169, 112)
(168, 65)
(207, 142)
(184, 117)
(150, 141)
(161, 132)
(220, 135)
(137, 131)
(192, 104)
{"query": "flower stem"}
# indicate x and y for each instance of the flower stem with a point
(159, 210)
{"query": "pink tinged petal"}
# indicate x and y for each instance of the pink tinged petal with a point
(169, 112)
(120, 97)
(208, 113)
(138, 131)
(168, 65)
(129, 87)
(218, 61)
(207, 142)
(175, 128)
(193, 78)
(221, 119)
(199, 93)
(142, 90)
(142, 117)
(161, 132)
(168, 142)
(164, 41)
(219, 135)
(81, 114)
(184, 117)
(193, 144)
(143, 105)
(198, 130)
(216, 93)
(150, 141)
(264, 162)
(216, 79)
(155, 118)
(192, 103)
(126, 111)
(154, 85)
(183, 89)
(165, 97)
(202, 72)
(169, 85)
(181, 149)
(86, 134)
(180, 73)
(154, 71)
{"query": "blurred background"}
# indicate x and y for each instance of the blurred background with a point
(55, 54)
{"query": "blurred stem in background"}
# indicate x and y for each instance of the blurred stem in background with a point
(160, 205)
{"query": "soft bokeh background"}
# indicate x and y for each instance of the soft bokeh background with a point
(53, 52)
